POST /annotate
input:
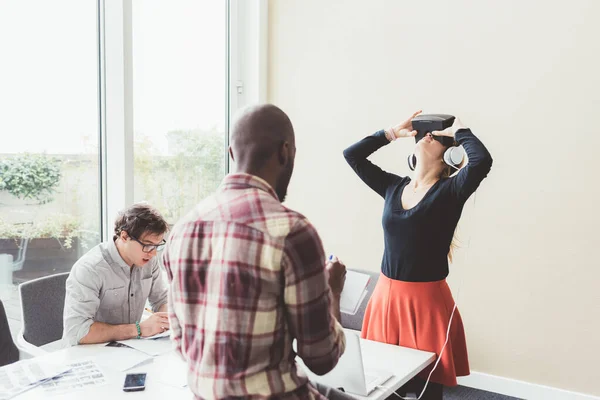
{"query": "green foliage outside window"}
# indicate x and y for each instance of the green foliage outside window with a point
(193, 170)
(30, 176)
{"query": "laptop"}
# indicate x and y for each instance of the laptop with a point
(349, 373)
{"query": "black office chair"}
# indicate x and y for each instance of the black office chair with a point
(42, 303)
(8, 350)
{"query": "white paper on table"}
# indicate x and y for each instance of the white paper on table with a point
(174, 371)
(120, 358)
(83, 374)
(153, 348)
(166, 333)
(355, 290)
(23, 375)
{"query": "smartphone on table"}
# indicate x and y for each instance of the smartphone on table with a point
(134, 382)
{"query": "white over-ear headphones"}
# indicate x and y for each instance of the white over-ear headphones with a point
(453, 157)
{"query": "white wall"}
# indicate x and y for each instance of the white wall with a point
(525, 76)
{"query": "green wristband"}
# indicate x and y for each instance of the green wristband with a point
(139, 330)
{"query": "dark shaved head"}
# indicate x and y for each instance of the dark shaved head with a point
(263, 144)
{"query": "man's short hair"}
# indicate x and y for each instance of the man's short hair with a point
(138, 219)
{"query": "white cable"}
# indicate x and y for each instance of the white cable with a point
(462, 276)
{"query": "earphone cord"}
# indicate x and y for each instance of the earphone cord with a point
(449, 325)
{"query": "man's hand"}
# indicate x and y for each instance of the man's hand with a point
(336, 272)
(157, 323)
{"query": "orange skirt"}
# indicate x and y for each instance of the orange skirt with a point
(416, 315)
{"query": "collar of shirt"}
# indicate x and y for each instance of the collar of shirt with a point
(116, 257)
(245, 181)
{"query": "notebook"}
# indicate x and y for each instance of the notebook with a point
(355, 290)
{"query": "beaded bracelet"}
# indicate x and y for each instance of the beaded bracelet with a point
(390, 134)
(139, 330)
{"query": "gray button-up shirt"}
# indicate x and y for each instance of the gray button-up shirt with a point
(103, 288)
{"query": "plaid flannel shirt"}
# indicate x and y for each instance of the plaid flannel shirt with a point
(247, 277)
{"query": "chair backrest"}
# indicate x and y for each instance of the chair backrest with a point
(43, 303)
(355, 321)
(8, 350)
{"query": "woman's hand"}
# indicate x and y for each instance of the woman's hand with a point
(451, 130)
(403, 129)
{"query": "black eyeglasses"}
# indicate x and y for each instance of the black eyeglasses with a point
(149, 248)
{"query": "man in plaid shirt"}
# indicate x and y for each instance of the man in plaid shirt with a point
(248, 276)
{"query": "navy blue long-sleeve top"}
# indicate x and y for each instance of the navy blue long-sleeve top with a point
(417, 240)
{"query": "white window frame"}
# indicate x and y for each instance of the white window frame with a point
(248, 52)
(247, 42)
(116, 108)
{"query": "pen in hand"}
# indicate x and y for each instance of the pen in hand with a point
(165, 328)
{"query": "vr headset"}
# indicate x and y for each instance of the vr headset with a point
(426, 123)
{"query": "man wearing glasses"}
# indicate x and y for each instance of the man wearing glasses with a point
(108, 287)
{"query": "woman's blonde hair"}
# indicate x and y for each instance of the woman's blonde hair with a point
(447, 172)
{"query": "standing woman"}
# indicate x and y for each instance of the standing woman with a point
(412, 303)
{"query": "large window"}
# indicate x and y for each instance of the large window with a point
(179, 101)
(107, 102)
(49, 170)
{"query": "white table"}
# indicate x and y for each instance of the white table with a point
(114, 389)
(403, 362)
